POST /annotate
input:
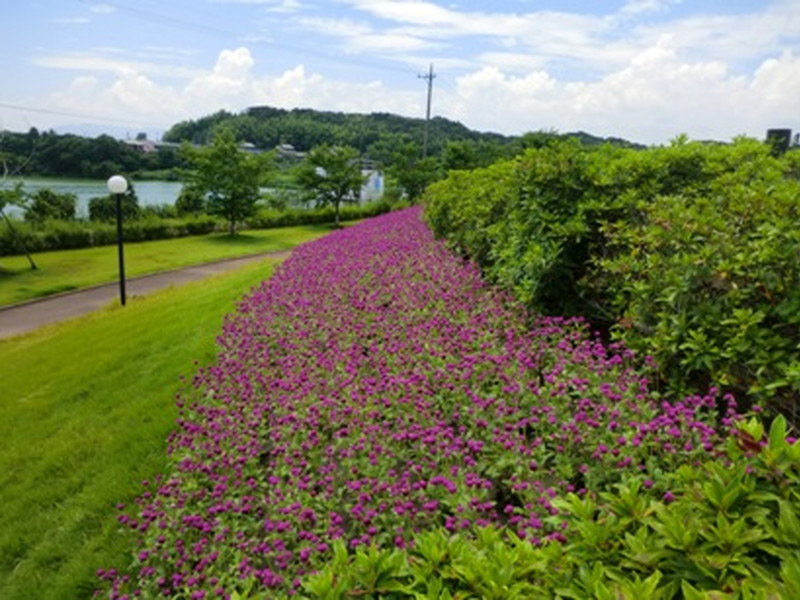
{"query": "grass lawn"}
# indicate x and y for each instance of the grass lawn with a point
(86, 408)
(64, 270)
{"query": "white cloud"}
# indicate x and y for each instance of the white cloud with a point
(286, 6)
(637, 7)
(512, 61)
(102, 9)
(359, 37)
(600, 43)
(652, 97)
(345, 28)
(272, 5)
(230, 84)
(98, 61)
(71, 20)
(417, 12)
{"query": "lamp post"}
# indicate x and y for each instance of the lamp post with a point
(117, 185)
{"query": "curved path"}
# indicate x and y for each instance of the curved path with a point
(22, 318)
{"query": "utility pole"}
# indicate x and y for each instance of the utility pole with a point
(430, 77)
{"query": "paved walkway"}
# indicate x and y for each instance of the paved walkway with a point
(22, 318)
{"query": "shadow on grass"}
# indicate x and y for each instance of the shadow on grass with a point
(56, 289)
(238, 240)
(9, 274)
(245, 239)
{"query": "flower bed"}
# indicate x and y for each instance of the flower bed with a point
(374, 388)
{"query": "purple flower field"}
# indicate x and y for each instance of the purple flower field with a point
(376, 387)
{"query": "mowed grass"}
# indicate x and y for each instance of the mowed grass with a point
(86, 408)
(66, 270)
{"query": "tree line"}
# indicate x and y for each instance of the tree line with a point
(65, 155)
(374, 136)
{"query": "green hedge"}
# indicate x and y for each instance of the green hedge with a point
(268, 219)
(689, 253)
(65, 235)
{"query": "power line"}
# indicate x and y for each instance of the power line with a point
(430, 76)
(162, 19)
(62, 113)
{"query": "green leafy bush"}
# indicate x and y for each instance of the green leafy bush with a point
(65, 235)
(160, 211)
(725, 529)
(688, 252)
(104, 208)
(46, 204)
(710, 286)
(268, 218)
(191, 200)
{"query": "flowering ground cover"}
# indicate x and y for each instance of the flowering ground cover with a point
(375, 388)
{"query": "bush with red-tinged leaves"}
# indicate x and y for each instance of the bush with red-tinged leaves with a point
(374, 388)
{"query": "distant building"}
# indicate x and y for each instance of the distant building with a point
(288, 151)
(146, 146)
(373, 186)
(250, 147)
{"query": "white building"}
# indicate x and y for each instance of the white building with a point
(373, 186)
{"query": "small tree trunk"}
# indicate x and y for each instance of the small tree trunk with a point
(336, 221)
(19, 241)
(232, 226)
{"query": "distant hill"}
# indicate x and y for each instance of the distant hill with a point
(304, 128)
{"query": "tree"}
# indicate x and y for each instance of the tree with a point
(191, 201)
(47, 204)
(459, 155)
(333, 175)
(411, 170)
(104, 208)
(12, 197)
(229, 178)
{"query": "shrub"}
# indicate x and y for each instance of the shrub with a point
(267, 218)
(104, 208)
(46, 204)
(190, 201)
(67, 235)
(687, 253)
(160, 211)
(62, 235)
(725, 529)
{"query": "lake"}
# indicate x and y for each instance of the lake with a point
(149, 192)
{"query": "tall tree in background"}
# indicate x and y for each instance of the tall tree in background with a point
(104, 208)
(411, 170)
(332, 175)
(46, 204)
(229, 178)
(12, 195)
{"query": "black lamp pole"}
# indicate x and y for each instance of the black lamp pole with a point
(119, 250)
(118, 185)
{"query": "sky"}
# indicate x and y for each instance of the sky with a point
(644, 70)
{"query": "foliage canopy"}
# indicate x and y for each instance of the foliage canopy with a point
(229, 178)
(332, 175)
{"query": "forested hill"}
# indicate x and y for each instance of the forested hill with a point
(266, 127)
(383, 137)
(303, 128)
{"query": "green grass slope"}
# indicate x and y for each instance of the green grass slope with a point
(87, 406)
(66, 270)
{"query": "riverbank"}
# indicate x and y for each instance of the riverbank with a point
(150, 192)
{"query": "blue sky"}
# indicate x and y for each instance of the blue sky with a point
(641, 69)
